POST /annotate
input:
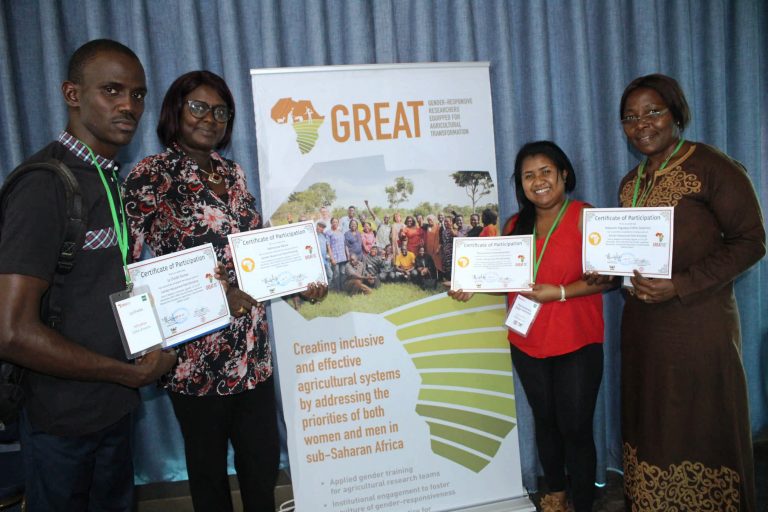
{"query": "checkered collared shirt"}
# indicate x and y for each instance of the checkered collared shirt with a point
(80, 150)
(98, 238)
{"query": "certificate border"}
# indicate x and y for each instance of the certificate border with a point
(670, 210)
(173, 340)
(528, 238)
(233, 247)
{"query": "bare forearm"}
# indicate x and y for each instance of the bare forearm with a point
(581, 288)
(44, 350)
(28, 342)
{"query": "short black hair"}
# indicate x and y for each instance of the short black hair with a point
(669, 90)
(169, 124)
(489, 217)
(88, 51)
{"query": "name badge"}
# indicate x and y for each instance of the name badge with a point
(137, 321)
(522, 314)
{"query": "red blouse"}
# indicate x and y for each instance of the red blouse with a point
(414, 236)
(489, 230)
(561, 327)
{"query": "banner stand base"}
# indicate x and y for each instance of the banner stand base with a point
(514, 505)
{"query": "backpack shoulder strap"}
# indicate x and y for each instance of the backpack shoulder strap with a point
(76, 216)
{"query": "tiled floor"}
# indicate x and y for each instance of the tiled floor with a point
(173, 497)
(607, 499)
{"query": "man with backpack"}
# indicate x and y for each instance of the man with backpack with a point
(56, 320)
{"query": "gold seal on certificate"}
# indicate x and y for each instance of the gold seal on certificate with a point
(273, 262)
(183, 292)
(618, 241)
(492, 264)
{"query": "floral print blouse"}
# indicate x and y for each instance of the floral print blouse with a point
(169, 208)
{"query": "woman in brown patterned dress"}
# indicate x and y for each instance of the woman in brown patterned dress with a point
(685, 420)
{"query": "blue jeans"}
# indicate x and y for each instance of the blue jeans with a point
(91, 472)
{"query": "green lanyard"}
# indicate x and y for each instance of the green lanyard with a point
(649, 186)
(537, 261)
(120, 229)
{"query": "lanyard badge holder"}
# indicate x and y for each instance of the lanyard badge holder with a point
(626, 283)
(524, 311)
(137, 320)
(522, 315)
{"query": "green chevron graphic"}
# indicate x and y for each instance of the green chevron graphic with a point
(307, 134)
(462, 354)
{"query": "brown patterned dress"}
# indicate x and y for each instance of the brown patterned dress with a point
(685, 422)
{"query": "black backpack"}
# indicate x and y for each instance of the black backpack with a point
(11, 391)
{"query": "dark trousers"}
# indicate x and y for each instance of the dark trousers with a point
(562, 392)
(91, 472)
(249, 421)
(337, 283)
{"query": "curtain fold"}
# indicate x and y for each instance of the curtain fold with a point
(558, 69)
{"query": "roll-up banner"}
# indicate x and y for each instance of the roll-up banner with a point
(396, 397)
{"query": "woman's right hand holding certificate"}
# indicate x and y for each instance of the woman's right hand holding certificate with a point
(460, 295)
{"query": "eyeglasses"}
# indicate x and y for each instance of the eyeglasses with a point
(650, 117)
(199, 109)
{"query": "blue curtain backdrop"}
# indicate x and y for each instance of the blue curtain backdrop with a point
(557, 70)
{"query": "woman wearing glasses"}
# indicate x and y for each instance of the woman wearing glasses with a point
(684, 401)
(222, 388)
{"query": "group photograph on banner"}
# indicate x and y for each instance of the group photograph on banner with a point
(395, 396)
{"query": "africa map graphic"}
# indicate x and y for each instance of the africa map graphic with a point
(304, 119)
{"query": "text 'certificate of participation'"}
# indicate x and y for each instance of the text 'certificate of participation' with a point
(492, 264)
(272, 262)
(187, 297)
(618, 241)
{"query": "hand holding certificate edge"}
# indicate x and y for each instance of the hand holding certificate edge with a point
(647, 289)
(154, 365)
(462, 296)
(239, 302)
(459, 295)
(653, 290)
(315, 291)
(594, 279)
(541, 293)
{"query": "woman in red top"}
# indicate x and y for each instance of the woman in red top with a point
(560, 360)
(412, 234)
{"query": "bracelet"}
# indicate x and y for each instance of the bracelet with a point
(562, 293)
